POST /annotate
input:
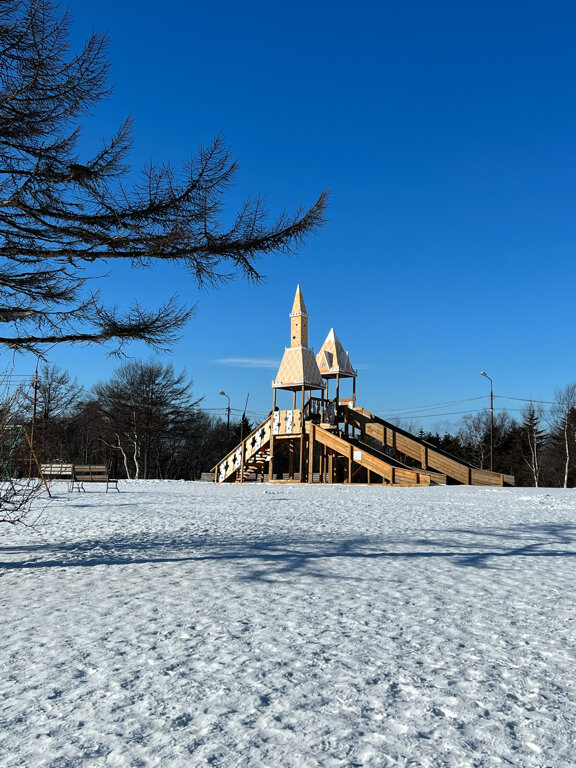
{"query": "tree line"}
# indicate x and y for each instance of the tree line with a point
(143, 423)
(539, 448)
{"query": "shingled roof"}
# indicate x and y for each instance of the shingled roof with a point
(333, 360)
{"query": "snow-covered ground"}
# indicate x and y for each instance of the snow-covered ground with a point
(183, 624)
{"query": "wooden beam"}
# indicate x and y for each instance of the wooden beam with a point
(350, 463)
(311, 453)
(271, 459)
(302, 438)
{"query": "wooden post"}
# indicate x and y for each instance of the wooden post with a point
(291, 460)
(311, 437)
(330, 466)
(302, 438)
(242, 454)
(353, 390)
(350, 464)
(424, 457)
(271, 460)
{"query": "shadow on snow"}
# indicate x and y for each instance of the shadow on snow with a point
(268, 557)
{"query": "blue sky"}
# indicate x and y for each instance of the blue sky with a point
(445, 133)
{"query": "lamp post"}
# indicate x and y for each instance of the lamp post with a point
(483, 373)
(228, 410)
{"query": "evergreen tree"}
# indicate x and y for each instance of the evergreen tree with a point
(533, 441)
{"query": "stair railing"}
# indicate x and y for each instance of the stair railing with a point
(239, 455)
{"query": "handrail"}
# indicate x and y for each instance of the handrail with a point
(242, 442)
(322, 408)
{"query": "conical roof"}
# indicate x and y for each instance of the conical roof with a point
(333, 360)
(299, 308)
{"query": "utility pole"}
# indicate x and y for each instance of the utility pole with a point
(483, 373)
(228, 410)
(244, 418)
(39, 356)
(34, 404)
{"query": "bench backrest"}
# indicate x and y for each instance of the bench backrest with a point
(91, 473)
(57, 470)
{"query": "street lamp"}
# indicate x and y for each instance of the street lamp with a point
(228, 410)
(483, 373)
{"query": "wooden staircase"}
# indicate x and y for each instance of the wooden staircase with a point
(254, 468)
(248, 459)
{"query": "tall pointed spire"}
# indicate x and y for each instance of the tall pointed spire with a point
(298, 367)
(299, 308)
(299, 321)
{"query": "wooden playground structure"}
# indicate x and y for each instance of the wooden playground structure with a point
(324, 440)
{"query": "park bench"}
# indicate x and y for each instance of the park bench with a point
(58, 471)
(92, 473)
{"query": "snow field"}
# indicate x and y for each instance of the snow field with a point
(183, 624)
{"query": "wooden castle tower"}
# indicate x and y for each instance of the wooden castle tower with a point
(319, 439)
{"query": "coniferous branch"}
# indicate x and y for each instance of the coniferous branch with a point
(61, 212)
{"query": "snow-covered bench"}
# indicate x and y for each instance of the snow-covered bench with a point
(58, 471)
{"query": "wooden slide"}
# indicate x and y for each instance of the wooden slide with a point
(359, 455)
(429, 456)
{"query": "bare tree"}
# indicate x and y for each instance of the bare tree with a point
(53, 396)
(563, 424)
(17, 497)
(17, 493)
(143, 406)
(474, 439)
(61, 212)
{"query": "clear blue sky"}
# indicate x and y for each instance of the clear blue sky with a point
(445, 133)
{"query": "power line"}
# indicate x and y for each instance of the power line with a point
(436, 405)
(416, 416)
(437, 415)
(527, 399)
